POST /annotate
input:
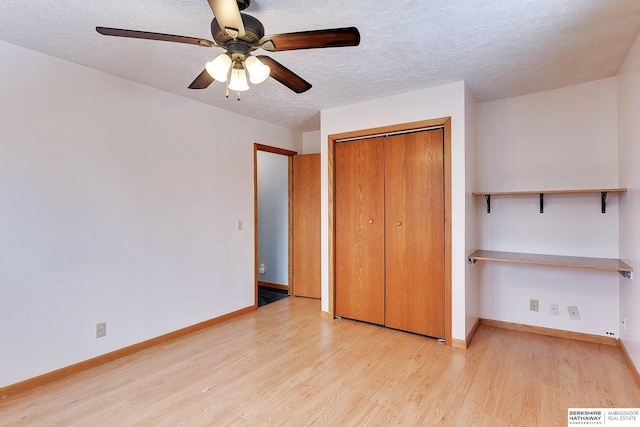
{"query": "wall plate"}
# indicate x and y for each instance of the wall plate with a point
(573, 312)
(101, 329)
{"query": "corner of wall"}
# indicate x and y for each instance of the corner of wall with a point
(628, 104)
(311, 142)
(471, 210)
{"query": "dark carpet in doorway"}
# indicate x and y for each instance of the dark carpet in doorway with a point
(269, 295)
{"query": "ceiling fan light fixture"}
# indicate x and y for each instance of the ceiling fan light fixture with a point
(219, 67)
(238, 80)
(258, 72)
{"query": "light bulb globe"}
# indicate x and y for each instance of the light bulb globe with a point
(238, 80)
(258, 72)
(219, 67)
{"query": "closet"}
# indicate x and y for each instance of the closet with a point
(390, 231)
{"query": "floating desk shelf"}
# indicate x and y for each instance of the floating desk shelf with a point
(603, 195)
(608, 264)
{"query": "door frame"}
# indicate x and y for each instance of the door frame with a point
(445, 123)
(289, 153)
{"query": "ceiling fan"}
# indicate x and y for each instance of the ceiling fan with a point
(241, 34)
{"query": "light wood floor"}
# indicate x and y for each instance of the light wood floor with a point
(285, 365)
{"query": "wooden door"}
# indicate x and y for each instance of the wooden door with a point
(359, 228)
(306, 225)
(415, 241)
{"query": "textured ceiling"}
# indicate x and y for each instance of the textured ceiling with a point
(502, 48)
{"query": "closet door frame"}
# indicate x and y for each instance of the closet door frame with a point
(445, 123)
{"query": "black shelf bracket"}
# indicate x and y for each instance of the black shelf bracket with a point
(627, 274)
(603, 196)
(472, 261)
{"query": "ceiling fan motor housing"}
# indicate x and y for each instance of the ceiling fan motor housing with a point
(254, 31)
(238, 50)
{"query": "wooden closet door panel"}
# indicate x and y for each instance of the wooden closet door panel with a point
(306, 225)
(414, 200)
(359, 222)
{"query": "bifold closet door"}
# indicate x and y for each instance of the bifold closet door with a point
(414, 242)
(359, 228)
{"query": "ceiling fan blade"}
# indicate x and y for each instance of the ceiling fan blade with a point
(202, 81)
(118, 32)
(228, 16)
(285, 75)
(336, 37)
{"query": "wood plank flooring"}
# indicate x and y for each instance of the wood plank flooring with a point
(286, 365)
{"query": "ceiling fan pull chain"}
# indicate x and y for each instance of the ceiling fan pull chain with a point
(238, 96)
(226, 94)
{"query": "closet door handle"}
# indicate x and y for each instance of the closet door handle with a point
(370, 221)
(398, 223)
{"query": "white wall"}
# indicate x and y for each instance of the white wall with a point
(558, 139)
(629, 173)
(273, 217)
(441, 101)
(472, 295)
(311, 142)
(119, 204)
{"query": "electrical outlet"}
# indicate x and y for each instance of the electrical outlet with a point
(101, 329)
(573, 312)
(533, 304)
(553, 309)
(261, 269)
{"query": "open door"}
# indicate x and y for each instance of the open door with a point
(306, 225)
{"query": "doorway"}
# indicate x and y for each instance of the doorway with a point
(287, 223)
(272, 206)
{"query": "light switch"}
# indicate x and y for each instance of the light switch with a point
(239, 226)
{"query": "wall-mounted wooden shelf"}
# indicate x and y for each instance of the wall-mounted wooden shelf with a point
(608, 264)
(603, 195)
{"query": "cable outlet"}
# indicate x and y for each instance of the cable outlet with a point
(101, 329)
(533, 304)
(553, 309)
(573, 312)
